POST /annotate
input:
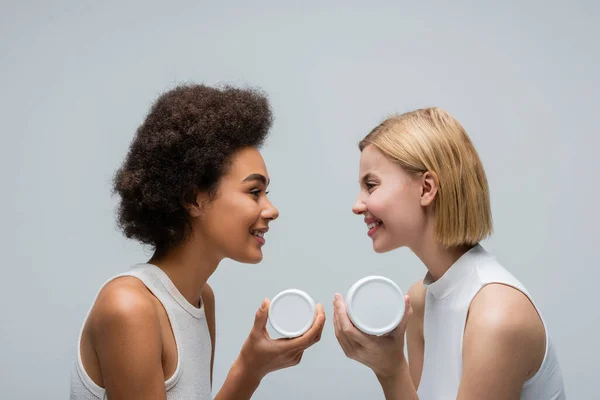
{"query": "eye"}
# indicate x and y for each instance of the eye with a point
(256, 192)
(370, 186)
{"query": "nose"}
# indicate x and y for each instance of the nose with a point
(359, 206)
(270, 212)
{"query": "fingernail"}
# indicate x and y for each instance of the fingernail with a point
(338, 297)
(263, 304)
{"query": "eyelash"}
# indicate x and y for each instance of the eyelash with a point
(256, 192)
(369, 186)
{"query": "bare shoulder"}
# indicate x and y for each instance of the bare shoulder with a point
(506, 317)
(208, 296)
(504, 309)
(124, 303)
(125, 333)
(417, 294)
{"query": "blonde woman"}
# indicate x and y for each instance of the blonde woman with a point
(472, 330)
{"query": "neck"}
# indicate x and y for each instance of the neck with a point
(188, 265)
(437, 258)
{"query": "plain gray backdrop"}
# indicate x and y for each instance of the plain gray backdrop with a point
(77, 78)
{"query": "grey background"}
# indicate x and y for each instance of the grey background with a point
(78, 77)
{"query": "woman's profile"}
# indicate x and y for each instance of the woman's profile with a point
(193, 186)
(472, 330)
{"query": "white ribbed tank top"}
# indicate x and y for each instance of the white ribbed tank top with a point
(191, 379)
(446, 305)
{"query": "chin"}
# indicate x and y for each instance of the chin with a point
(252, 258)
(381, 248)
(255, 260)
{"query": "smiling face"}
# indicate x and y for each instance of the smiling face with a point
(237, 219)
(392, 201)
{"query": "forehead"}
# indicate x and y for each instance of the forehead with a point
(372, 161)
(247, 161)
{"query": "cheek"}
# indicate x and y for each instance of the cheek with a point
(377, 205)
(384, 204)
(396, 208)
(241, 215)
(231, 221)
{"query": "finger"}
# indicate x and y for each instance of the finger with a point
(346, 344)
(311, 336)
(261, 317)
(408, 311)
(336, 324)
(336, 321)
(336, 328)
(345, 324)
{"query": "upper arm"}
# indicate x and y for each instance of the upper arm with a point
(503, 344)
(414, 332)
(208, 299)
(127, 339)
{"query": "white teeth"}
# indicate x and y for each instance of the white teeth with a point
(373, 224)
(258, 233)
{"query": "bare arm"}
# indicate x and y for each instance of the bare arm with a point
(126, 336)
(383, 354)
(503, 345)
(208, 300)
(414, 332)
(240, 382)
(261, 355)
(127, 340)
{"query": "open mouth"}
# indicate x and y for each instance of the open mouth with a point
(259, 235)
(373, 226)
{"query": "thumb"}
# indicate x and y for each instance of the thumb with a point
(260, 320)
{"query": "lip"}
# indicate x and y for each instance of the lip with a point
(261, 240)
(373, 230)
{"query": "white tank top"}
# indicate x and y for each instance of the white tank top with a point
(446, 305)
(191, 379)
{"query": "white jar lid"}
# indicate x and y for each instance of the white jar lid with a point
(375, 305)
(292, 313)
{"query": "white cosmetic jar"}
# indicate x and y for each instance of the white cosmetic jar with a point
(292, 313)
(375, 305)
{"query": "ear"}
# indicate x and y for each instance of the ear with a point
(429, 188)
(196, 204)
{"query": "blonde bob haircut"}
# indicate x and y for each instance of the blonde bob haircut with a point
(431, 140)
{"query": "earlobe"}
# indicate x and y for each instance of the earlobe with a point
(429, 188)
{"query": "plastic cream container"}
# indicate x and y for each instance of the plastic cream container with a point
(375, 305)
(292, 313)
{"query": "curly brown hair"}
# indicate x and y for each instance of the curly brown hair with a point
(184, 146)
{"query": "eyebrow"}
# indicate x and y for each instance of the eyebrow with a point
(257, 177)
(365, 178)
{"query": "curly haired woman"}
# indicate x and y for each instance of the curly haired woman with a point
(193, 187)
